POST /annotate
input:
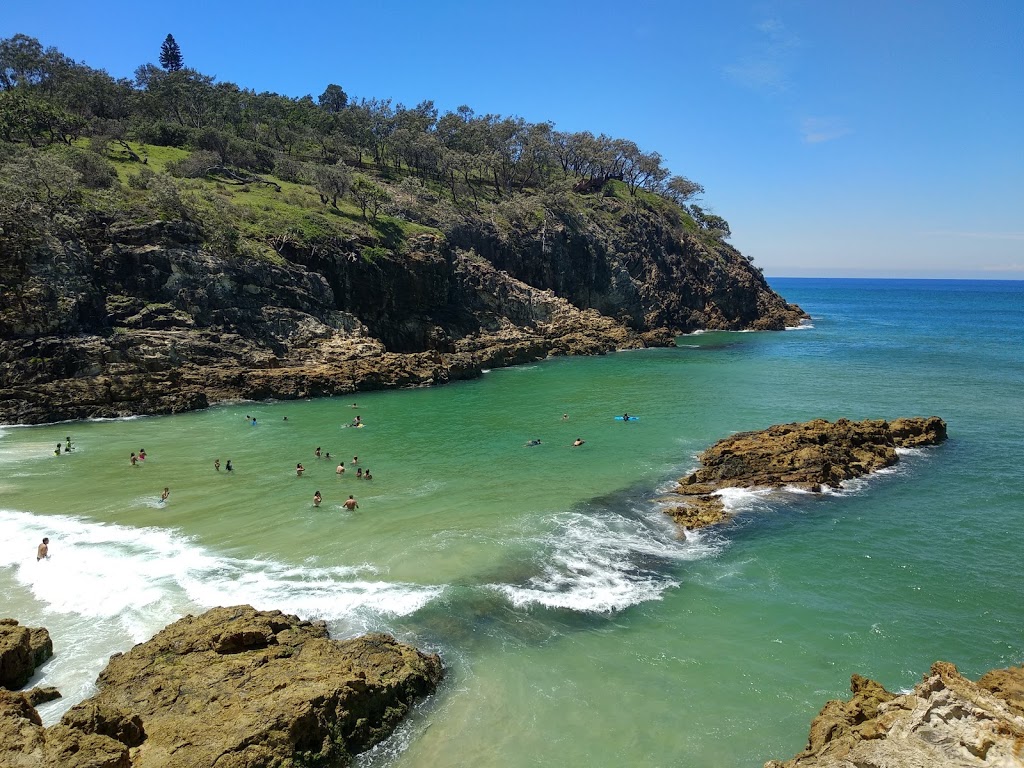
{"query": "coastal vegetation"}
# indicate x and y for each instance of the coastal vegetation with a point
(263, 170)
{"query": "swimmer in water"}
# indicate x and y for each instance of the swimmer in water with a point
(317, 498)
(367, 475)
(359, 473)
(43, 550)
(134, 459)
(67, 445)
(299, 469)
(216, 464)
(577, 442)
(228, 466)
(165, 494)
(531, 443)
(341, 469)
(142, 454)
(57, 452)
(317, 452)
(351, 503)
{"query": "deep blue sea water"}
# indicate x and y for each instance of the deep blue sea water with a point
(576, 625)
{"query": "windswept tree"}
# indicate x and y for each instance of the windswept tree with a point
(680, 189)
(170, 55)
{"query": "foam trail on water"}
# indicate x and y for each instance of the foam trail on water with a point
(600, 563)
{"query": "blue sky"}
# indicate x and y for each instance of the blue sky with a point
(842, 137)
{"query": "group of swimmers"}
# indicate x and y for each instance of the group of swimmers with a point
(575, 443)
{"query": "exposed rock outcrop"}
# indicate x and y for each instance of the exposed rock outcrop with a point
(947, 721)
(233, 688)
(22, 649)
(807, 455)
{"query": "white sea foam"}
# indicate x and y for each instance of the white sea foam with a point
(599, 563)
(116, 572)
(805, 325)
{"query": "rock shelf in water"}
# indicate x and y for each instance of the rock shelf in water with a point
(232, 688)
(946, 721)
(807, 455)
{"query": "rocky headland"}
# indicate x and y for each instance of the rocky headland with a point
(947, 721)
(147, 319)
(232, 688)
(809, 455)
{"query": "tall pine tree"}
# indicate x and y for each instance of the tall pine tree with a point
(170, 55)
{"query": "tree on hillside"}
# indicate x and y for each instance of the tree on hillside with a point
(679, 189)
(170, 55)
(333, 99)
(369, 196)
(332, 182)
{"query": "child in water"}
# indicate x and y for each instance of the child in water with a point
(165, 494)
(317, 498)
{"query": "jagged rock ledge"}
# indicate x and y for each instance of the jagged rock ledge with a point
(806, 455)
(232, 688)
(947, 721)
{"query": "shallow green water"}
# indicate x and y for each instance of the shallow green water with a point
(576, 625)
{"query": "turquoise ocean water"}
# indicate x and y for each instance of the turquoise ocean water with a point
(576, 626)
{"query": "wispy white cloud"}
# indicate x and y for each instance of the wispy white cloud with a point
(818, 129)
(767, 67)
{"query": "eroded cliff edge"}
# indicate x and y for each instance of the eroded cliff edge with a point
(232, 688)
(145, 318)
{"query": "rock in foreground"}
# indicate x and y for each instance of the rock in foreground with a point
(946, 721)
(233, 688)
(22, 649)
(809, 455)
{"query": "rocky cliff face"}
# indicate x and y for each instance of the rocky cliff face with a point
(142, 318)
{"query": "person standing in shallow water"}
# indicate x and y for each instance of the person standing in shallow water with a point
(57, 452)
(216, 464)
(317, 498)
(228, 466)
(165, 494)
(43, 550)
(351, 503)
